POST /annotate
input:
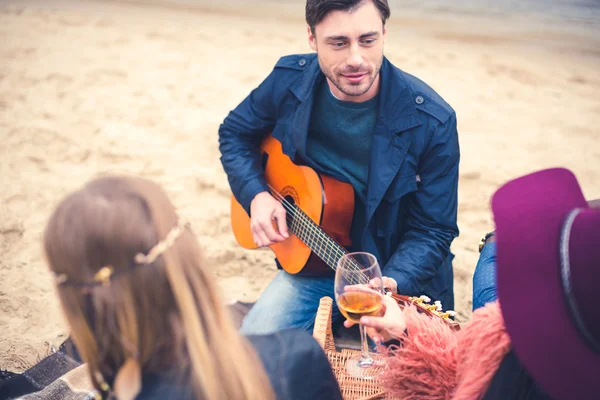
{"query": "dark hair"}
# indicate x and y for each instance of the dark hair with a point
(512, 381)
(316, 10)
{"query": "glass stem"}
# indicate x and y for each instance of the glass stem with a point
(364, 345)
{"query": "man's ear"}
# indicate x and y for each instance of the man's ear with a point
(384, 33)
(312, 39)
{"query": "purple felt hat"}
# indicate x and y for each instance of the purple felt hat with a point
(548, 272)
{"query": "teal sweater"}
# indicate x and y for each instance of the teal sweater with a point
(339, 143)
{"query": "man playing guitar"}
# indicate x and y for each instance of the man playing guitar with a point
(349, 113)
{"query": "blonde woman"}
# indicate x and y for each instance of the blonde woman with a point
(145, 312)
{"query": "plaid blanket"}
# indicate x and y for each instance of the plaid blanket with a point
(61, 375)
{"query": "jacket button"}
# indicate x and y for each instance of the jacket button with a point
(302, 62)
(419, 100)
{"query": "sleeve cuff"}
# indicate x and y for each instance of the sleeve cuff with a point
(250, 190)
(405, 286)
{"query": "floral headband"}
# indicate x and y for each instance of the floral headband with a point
(107, 273)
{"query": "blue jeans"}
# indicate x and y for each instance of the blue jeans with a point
(484, 278)
(290, 301)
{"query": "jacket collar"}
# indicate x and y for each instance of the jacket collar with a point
(397, 108)
(397, 104)
(304, 85)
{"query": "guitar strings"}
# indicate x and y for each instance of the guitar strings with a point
(297, 215)
(294, 221)
(296, 212)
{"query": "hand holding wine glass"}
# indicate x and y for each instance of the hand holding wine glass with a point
(388, 324)
(358, 293)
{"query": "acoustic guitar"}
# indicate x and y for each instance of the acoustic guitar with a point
(319, 212)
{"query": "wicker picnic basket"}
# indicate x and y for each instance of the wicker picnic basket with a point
(352, 388)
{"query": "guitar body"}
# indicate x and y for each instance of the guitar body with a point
(326, 201)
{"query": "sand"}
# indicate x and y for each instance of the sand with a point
(96, 87)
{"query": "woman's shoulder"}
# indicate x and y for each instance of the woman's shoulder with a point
(298, 340)
(165, 386)
(296, 364)
(289, 350)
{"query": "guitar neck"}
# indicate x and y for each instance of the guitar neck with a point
(312, 235)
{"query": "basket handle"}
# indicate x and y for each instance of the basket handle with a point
(322, 330)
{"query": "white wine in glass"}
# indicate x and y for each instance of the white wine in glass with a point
(359, 292)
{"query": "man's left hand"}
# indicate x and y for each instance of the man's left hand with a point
(388, 283)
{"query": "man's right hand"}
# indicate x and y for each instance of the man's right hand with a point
(264, 209)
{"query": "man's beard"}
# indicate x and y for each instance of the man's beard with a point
(351, 89)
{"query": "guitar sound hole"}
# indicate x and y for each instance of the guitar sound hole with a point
(290, 200)
(290, 213)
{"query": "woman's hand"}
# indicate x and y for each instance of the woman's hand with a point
(390, 323)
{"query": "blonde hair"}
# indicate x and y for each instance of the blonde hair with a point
(167, 314)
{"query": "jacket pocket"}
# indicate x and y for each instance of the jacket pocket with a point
(391, 214)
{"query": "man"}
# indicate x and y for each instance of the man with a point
(347, 112)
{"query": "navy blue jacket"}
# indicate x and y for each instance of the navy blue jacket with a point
(411, 207)
(296, 365)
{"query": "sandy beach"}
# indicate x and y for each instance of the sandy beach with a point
(96, 87)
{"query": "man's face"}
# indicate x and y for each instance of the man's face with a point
(349, 46)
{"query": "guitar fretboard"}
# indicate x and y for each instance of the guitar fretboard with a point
(311, 234)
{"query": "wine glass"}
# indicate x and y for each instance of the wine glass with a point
(358, 292)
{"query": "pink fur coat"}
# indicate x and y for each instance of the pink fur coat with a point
(437, 363)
